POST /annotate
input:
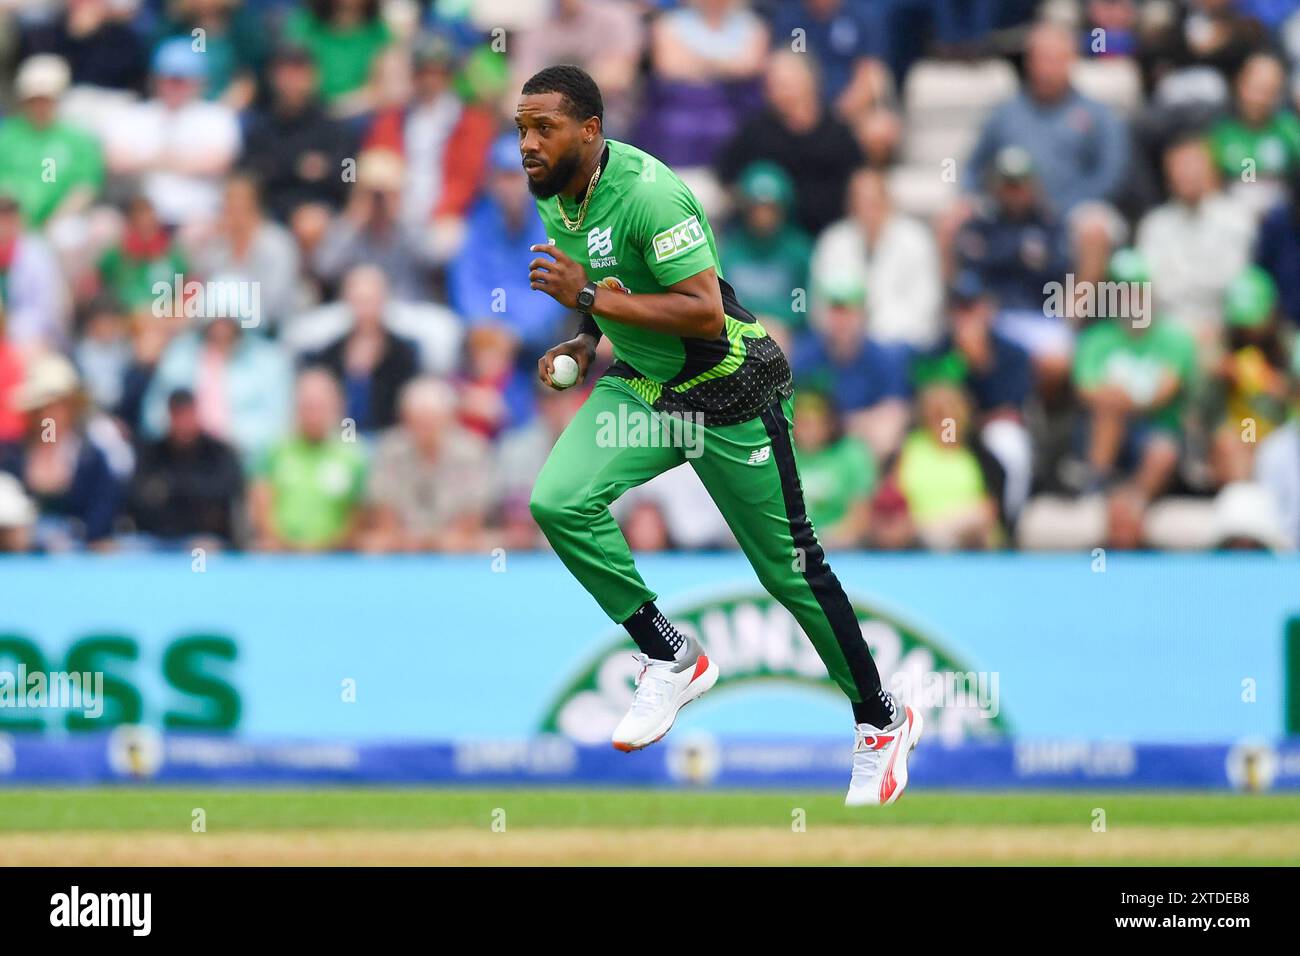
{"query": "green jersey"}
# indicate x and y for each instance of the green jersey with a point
(1109, 354)
(643, 232)
(1274, 148)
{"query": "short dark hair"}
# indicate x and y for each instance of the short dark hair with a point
(581, 94)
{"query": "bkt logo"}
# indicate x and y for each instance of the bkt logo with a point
(687, 234)
(599, 242)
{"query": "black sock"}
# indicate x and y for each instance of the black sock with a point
(654, 634)
(879, 710)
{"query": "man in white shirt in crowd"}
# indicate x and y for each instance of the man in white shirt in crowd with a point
(178, 144)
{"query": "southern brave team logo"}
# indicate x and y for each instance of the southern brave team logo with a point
(599, 242)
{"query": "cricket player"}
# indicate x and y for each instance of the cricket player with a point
(630, 248)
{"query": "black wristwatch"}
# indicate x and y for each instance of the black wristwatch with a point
(587, 298)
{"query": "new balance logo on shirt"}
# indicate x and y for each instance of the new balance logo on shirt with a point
(759, 455)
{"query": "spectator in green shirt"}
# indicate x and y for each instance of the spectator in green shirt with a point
(51, 168)
(951, 484)
(1259, 146)
(309, 488)
(146, 254)
(1132, 374)
(764, 256)
(838, 472)
(345, 37)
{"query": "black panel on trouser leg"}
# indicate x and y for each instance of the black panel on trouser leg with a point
(821, 579)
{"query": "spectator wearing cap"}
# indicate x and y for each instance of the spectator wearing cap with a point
(240, 380)
(431, 486)
(371, 230)
(348, 36)
(1195, 244)
(234, 41)
(1277, 463)
(795, 131)
(484, 282)
(53, 169)
(32, 291)
(1252, 373)
(893, 255)
(1017, 246)
(246, 246)
(764, 255)
(604, 37)
(998, 376)
(177, 144)
(706, 60)
(65, 472)
(187, 485)
(952, 485)
(1079, 147)
(1246, 518)
(848, 41)
(867, 380)
(1257, 148)
(309, 490)
(297, 150)
(420, 130)
(1132, 375)
(102, 49)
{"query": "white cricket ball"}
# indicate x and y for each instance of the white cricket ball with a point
(564, 371)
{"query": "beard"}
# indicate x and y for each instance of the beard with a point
(565, 168)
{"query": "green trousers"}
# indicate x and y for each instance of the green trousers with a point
(616, 442)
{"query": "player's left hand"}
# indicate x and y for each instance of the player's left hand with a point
(559, 277)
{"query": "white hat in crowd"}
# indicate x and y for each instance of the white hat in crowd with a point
(16, 509)
(42, 75)
(49, 378)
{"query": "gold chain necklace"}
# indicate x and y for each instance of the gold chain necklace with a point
(575, 224)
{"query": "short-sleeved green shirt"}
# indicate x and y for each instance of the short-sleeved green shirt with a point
(315, 488)
(1108, 353)
(1274, 149)
(343, 57)
(834, 478)
(645, 231)
(40, 167)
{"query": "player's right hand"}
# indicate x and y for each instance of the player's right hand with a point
(579, 348)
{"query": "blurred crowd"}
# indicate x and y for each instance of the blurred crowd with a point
(263, 265)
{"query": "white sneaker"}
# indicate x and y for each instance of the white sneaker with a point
(880, 761)
(662, 689)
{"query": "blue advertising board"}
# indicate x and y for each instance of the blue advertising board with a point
(1156, 650)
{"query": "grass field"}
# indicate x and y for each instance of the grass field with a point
(139, 826)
